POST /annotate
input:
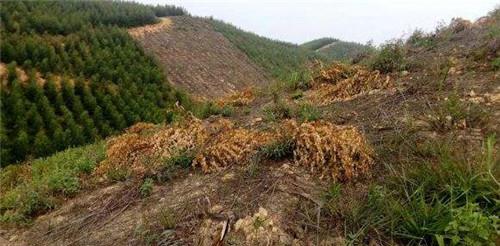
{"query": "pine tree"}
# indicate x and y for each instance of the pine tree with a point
(59, 139)
(21, 145)
(89, 128)
(11, 71)
(50, 90)
(42, 145)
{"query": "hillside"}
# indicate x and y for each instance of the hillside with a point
(338, 50)
(84, 78)
(197, 58)
(397, 149)
(279, 59)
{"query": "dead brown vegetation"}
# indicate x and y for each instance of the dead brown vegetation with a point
(338, 152)
(342, 82)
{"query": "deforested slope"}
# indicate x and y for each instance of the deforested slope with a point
(197, 58)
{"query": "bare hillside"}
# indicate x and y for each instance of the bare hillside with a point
(197, 58)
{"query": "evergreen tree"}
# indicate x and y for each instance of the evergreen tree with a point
(89, 128)
(42, 145)
(21, 145)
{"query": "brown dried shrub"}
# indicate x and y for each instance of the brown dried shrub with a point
(140, 127)
(238, 99)
(338, 152)
(230, 147)
(342, 82)
(142, 155)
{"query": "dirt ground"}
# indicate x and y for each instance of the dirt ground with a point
(197, 58)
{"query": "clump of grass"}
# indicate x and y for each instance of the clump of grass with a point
(278, 110)
(453, 112)
(496, 64)
(167, 218)
(205, 110)
(146, 187)
(449, 201)
(279, 149)
(307, 112)
(172, 165)
(38, 187)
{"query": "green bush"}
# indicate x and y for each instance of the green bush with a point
(390, 58)
(307, 112)
(277, 110)
(146, 187)
(470, 226)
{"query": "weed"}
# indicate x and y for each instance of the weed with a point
(146, 187)
(496, 64)
(118, 174)
(227, 110)
(297, 95)
(167, 219)
(453, 113)
(308, 112)
(258, 222)
(279, 149)
(451, 201)
(278, 110)
(183, 159)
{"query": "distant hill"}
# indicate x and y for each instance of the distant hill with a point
(278, 58)
(334, 49)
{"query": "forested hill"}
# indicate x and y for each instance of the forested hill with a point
(74, 75)
(338, 50)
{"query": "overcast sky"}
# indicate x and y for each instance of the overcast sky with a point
(299, 21)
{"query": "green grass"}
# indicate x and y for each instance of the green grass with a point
(30, 189)
(280, 149)
(278, 58)
(445, 199)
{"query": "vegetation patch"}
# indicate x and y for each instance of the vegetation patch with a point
(29, 190)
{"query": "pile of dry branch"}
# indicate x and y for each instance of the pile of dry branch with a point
(342, 82)
(338, 152)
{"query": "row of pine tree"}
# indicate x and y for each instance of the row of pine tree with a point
(93, 80)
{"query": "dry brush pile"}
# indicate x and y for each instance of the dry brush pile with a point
(334, 152)
(342, 82)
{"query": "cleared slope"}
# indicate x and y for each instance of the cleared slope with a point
(197, 58)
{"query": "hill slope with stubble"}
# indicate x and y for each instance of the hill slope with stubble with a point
(197, 58)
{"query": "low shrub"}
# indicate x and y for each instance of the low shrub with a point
(390, 58)
(307, 112)
(146, 188)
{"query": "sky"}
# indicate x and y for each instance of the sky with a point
(298, 21)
